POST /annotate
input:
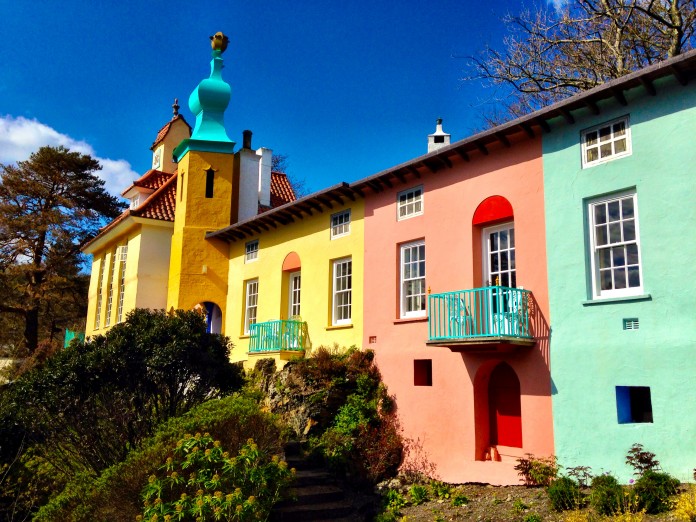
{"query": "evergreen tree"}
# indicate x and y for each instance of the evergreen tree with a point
(50, 205)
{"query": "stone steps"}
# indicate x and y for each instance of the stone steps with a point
(317, 495)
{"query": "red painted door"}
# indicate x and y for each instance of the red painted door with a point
(505, 412)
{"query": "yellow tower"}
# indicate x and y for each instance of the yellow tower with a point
(207, 196)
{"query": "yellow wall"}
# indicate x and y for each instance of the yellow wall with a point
(147, 265)
(198, 267)
(310, 239)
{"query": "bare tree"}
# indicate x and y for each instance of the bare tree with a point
(550, 54)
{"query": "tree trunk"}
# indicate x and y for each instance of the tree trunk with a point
(31, 330)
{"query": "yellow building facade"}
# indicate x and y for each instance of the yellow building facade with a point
(216, 230)
(309, 271)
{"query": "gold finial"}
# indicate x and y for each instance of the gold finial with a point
(175, 107)
(219, 42)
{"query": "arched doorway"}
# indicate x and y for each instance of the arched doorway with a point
(213, 316)
(504, 408)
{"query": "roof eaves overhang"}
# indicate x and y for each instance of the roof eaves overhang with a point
(318, 202)
(682, 67)
(124, 226)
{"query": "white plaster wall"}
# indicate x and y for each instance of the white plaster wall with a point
(248, 183)
(153, 266)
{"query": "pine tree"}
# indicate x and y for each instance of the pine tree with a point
(50, 205)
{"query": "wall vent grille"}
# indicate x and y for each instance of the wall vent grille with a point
(631, 324)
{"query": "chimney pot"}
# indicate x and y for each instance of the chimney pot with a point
(246, 139)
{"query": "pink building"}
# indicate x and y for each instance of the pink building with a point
(456, 300)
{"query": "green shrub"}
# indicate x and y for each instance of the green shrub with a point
(460, 499)
(418, 494)
(201, 481)
(532, 517)
(359, 433)
(653, 491)
(518, 506)
(564, 494)
(115, 494)
(440, 489)
(537, 471)
(606, 496)
(641, 460)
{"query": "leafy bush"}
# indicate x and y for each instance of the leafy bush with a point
(606, 495)
(537, 471)
(418, 494)
(242, 487)
(685, 505)
(653, 490)
(532, 517)
(641, 460)
(582, 474)
(518, 506)
(89, 405)
(440, 489)
(115, 494)
(564, 494)
(359, 432)
(460, 499)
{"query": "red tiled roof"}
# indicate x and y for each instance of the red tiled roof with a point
(281, 190)
(164, 130)
(152, 179)
(161, 204)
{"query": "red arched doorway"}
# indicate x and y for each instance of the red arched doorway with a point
(504, 409)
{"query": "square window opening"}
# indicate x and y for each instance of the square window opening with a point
(410, 203)
(423, 372)
(606, 142)
(340, 224)
(633, 404)
(251, 251)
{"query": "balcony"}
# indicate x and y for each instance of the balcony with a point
(277, 336)
(493, 318)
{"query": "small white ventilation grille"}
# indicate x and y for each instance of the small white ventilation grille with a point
(631, 324)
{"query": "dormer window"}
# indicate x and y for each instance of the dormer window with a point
(135, 201)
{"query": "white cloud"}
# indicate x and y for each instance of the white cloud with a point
(19, 137)
(558, 5)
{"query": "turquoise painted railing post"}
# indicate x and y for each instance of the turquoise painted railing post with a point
(492, 311)
(280, 335)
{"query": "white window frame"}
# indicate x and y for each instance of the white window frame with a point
(251, 254)
(340, 224)
(122, 254)
(342, 292)
(251, 303)
(596, 248)
(406, 279)
(611, 140)
(411, 202)
(295, 294)
(110, 291)
(100, 292)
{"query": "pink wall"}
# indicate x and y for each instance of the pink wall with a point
(443, 415)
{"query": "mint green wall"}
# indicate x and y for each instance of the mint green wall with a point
(591, 354)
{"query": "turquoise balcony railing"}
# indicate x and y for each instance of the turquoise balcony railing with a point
(479, 314)
(273, 336)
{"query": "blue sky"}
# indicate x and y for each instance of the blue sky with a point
(344, 89)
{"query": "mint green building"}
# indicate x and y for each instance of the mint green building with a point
(620, 198)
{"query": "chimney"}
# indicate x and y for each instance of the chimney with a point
(246, 139)
(439, 138)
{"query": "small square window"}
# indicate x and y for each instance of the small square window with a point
(423, 372)
(252, 251)
(606, 142)
(340, 224)
(633, 404)
(410, 203)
